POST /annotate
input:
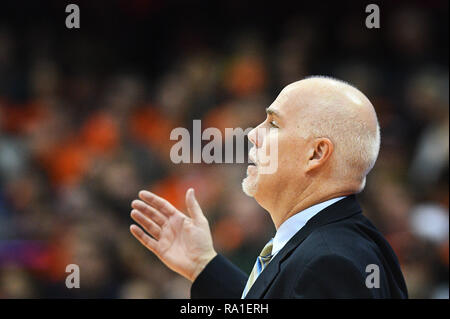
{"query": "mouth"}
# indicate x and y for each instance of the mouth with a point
(252, 161)
(252, 167)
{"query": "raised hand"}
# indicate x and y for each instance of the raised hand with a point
(183, 243)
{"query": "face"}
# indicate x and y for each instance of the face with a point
(279, 150)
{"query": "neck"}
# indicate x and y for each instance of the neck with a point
(300, 200)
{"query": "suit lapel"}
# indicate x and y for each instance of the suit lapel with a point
(342, 209)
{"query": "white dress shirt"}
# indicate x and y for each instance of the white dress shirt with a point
(294, 223)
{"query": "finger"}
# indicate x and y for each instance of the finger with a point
(150, 226)
(159, 203)
(192, 205)
(144, 239)
(149, 211)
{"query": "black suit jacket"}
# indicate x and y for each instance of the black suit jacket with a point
(327, 258)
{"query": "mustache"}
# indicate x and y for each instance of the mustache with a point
(252, 156)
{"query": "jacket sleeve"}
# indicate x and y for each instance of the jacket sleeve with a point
(219, 279)
(331, 277)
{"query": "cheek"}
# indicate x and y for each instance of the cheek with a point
(272, 155)
(271, 142)
(291, 152)
(268, 154)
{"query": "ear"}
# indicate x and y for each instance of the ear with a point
(320, 152)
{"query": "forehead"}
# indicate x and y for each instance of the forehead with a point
(288, 102)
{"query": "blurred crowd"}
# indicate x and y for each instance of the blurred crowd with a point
(85, 122)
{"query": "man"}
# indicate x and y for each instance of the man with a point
(328, 138)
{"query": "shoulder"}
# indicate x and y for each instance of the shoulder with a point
(350, 241)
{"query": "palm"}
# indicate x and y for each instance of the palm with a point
(179, 241)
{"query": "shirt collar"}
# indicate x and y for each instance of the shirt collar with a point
(294, 223)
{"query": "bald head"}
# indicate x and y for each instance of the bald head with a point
(326, 138)
(331, 108)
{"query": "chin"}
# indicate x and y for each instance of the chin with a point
(249, 186)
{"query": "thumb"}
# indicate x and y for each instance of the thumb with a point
(192, 205)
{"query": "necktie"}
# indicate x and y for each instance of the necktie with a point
(261, 262)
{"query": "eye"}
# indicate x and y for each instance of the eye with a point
(273, 124)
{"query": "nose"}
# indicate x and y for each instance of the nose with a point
(254, 137)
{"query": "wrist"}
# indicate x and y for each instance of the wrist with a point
(201, 264)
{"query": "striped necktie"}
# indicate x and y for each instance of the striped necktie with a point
(261, 262)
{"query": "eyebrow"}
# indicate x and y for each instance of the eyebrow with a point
(273, 112)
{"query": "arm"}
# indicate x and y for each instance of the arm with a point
(220, 279)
